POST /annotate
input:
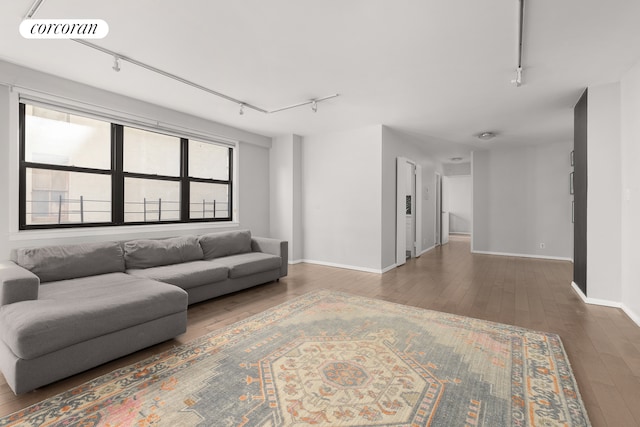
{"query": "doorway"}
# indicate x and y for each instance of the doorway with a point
(408, 210)
(442, 214)
(438, 186)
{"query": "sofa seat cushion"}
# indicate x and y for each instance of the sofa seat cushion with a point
(186, 275)
(72, 311)
(241, 265)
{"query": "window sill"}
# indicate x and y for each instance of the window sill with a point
(120, 232)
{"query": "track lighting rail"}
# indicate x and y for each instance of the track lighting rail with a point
(242, 104)
(118, 57)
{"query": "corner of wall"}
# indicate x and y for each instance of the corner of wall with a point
(604, 204)
(6, 181)
(630, 189)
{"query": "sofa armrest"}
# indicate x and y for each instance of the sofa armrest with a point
(17, 283)
(274, 247)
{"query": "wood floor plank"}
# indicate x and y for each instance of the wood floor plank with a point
(602, 343)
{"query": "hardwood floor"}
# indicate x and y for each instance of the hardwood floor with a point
(603, 344)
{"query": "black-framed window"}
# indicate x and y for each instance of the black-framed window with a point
(79, 171)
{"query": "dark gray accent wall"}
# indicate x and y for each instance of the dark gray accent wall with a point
(580, 193)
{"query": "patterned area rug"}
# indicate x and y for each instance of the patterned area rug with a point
(332, 359)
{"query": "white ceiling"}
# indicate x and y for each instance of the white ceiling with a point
(438, 69)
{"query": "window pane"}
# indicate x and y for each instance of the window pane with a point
(61, 197)
(59, 138)
(151, 153)
(209, 200)
(208, 160)
(151, 200)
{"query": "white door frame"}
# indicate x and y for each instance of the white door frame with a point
(418, 217)
(401, 227)
(438, 203)
(445, 214)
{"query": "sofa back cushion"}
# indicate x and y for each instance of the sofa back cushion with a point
(216, 245)
(51, 263)
(152, 253)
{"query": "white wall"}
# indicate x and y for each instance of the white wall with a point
(603, 193)
(6, 181)
(456, 200)
(253, 192)
(252, 184)
(451, 169)
(630, 210)
(521, 199)
(397, 144)
(613, 199)
(346, 184)
(342, 198)
(286, 193)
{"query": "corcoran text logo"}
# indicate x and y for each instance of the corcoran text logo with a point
(64, 28)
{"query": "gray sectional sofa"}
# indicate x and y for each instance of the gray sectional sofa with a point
(65, 309)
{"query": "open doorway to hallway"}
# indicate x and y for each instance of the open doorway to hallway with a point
(456, 203)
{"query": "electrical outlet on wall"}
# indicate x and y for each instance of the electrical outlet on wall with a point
(541, 245)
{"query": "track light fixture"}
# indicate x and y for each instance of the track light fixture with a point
(116, 63)
(34, 8)
(518, 80)
(241, 112)
(314, 106)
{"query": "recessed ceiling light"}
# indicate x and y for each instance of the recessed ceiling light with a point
(456, 159)
(486, 135)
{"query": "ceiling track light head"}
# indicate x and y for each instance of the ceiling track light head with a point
(518, 80)
(116, 63)
(241, 112)
(314, 106)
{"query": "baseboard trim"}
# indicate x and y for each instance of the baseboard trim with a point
(578, 291)
(632, 315)
(295, 261)
(555, 258)
(594, 301)
(389, 268)
(427, 250)
(606, 303)
(349, 267)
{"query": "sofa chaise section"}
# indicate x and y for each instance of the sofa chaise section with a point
(65, 309)
(67, 320)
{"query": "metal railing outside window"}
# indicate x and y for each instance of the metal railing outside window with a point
(152, 210)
